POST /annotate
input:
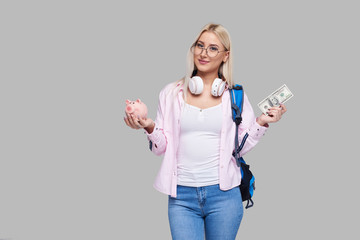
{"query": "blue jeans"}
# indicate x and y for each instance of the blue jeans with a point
(197, 212)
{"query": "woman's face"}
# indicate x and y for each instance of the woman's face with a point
(205, 63)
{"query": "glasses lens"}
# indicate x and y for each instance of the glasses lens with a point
(212, 51)
(197, 48)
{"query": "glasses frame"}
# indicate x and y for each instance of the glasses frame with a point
(206, 49)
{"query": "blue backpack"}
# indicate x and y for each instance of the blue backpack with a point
(247, 185)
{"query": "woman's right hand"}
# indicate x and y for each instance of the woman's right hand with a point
(137, 123)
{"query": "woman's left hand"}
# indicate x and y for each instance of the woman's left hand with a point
(274, 115)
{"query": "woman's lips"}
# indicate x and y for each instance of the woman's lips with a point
(203, 61)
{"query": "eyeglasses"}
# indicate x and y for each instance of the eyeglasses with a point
(211, 51)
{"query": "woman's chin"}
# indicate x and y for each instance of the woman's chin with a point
(203, 68)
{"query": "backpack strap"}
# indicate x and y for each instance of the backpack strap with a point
(237, 97)
(248, 205)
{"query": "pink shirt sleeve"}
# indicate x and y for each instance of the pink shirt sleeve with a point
(157, 137)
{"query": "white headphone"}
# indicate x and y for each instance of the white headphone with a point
(196, 86)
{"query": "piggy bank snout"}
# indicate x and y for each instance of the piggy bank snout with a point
(129, 109)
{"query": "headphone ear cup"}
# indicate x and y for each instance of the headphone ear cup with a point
(218, 87)
(196, 85)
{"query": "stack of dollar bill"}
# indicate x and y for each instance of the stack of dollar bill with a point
(278, 97)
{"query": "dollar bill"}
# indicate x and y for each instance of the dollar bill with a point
(281, 95)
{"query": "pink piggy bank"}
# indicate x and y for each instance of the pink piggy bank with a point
(137, 108)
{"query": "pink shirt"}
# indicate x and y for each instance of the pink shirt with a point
(165, 139)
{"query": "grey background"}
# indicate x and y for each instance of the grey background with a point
(71, 169)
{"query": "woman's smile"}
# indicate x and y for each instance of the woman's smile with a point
(201, 61)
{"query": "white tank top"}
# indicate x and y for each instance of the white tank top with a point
(199, 147)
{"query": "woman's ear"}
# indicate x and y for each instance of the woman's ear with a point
(226, 56)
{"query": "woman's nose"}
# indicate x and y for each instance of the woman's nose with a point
(203, 52)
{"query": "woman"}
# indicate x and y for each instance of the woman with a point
(195, 132)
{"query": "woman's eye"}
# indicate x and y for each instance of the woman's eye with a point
(199, 45)
(213, 49)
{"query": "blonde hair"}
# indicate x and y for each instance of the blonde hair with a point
(225, 69)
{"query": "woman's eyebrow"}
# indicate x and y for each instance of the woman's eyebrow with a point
(212, 44)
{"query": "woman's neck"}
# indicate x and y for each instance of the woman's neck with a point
(208, 78)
